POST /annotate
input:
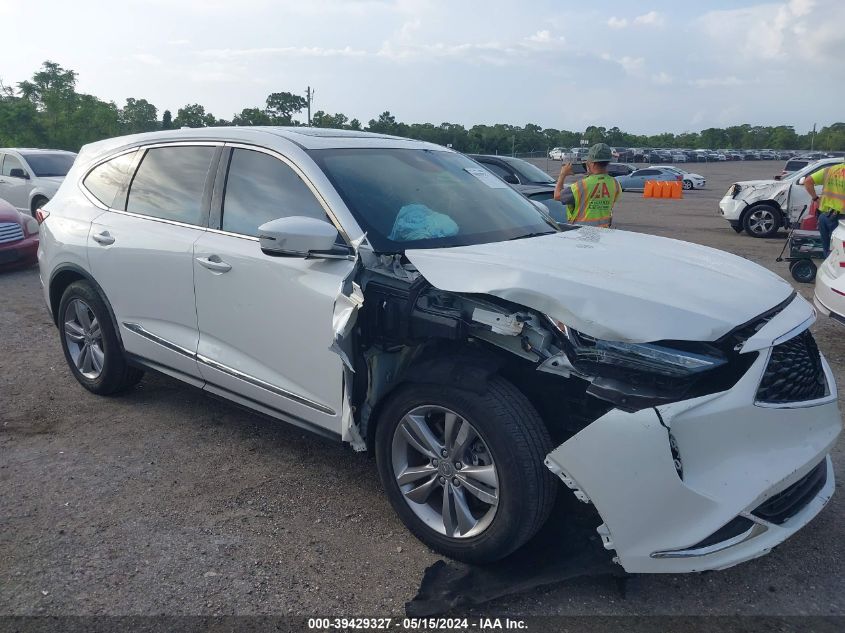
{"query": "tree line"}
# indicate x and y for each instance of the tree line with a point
(47, 111)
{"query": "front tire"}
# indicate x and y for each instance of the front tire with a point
(688, 185)
(761, 220)
(92, 349)
(464, 471)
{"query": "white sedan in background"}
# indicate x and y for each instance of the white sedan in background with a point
(829, 296)
(691, 180)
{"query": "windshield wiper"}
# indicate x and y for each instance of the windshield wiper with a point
(537, 234)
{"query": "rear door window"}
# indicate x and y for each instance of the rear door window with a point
(170, 182)
(260, 188)
(108, 178)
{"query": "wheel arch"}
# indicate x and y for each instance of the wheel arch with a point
(62, 277)
(468, 367)
(33, 202)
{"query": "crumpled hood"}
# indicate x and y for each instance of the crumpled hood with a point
(758, 189)
(611, 284)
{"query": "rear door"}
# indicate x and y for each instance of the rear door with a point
(266, 322)
(141, 252)
(14, 189)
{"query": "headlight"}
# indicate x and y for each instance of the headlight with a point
(31, 226)
(650, 358)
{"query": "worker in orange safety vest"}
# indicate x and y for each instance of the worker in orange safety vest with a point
(590, 200)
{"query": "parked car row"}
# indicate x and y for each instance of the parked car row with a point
(658, 155)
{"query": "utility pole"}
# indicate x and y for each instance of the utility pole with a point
(309, 96)
(813, 138)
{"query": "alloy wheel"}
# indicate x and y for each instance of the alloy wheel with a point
(84, 339)
(761, 221)
(445, 471)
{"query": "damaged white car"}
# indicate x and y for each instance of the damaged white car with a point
(762, 207)
(394, 295)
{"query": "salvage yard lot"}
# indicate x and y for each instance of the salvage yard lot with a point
(164, 500)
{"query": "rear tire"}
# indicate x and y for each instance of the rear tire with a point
(510, 442)
(90, 344)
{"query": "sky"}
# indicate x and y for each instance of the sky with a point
(643, 66)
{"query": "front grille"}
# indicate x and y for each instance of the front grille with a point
(794, 372)
(10, 232)
(785, 505)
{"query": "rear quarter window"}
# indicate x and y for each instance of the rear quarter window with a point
(108, 178)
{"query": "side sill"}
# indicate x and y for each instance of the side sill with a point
(234, 398)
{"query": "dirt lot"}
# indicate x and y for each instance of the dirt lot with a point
(165, 501)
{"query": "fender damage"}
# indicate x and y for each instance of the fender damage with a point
(627, 439)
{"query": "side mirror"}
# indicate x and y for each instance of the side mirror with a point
(17, 172)
(801, 180)
(298, 236)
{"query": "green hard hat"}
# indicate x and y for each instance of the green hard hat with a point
(600, 152)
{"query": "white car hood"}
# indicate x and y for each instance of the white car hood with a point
(610, 284)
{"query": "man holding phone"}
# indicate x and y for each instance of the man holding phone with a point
(590, 200)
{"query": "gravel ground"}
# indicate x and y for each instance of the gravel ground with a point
(166, 501)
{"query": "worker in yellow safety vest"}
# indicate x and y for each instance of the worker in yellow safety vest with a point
(590, 200)
(832, 200)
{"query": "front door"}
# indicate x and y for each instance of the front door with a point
(266, 322)
(142, 256)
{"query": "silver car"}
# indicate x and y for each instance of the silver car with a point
(30, 177)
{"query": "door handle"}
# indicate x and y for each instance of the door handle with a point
(214, 264)
(104, 238)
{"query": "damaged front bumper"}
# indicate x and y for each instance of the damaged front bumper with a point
(704, 483)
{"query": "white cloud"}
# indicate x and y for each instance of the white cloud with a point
(617, 23)
(710, 82)
(777, 31)
(662, 79)
(540, 36)
(147, 58)
(652, 18)
(281, 51)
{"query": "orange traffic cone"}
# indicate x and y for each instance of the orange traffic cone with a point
(677, 190)
(648, 191)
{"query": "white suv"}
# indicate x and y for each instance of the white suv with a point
(395, 295)
(762, 207)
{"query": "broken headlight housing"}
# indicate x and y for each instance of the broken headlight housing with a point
(650, 358)
(633, 376)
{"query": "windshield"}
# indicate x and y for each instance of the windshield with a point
(45, 165)
(412, 198)
(528, 171)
